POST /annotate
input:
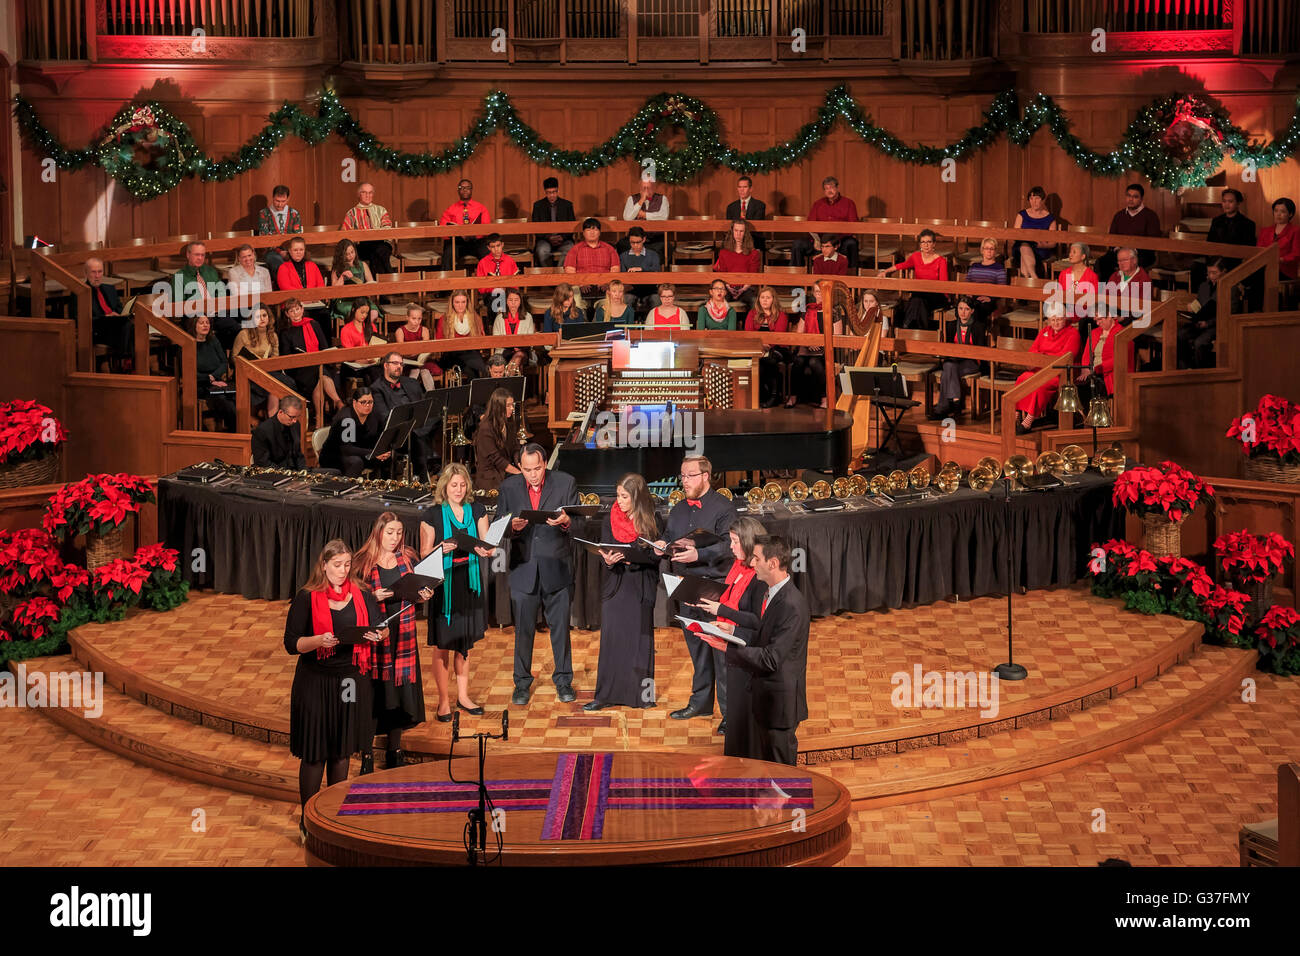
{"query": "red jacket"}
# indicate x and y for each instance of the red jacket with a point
(1288, 252)
(286, 277)
(1107, 366)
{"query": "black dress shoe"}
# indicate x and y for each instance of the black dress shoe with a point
(1021, 428)
(940, 412)
(565, 693)
(687, 712)
(594, 705)
(472, 711)
(519, 698)
(367, 764)
(444, 718)
(394, 758)
(722, 729)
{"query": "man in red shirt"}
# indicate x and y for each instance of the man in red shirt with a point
(496, 263)
(832, 207)
(463, 212)
(591, 255)
(830, 262)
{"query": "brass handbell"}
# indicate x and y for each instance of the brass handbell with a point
(590, 498)
(878, 485)
(772, 491)
(858, 486)
(1017, 467)
(919, 476)
(840, 487)
(947, 481)
(820, 490)
(981, 478)
(675, 496)
(1112, 461)
(726, 493)
(898, 480)
(1050, 463)
(798, 491)
(755, 495)
(1076, 459)
(991, 463)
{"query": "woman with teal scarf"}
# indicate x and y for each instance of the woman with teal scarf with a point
(458, 612)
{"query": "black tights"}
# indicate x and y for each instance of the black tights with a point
(309, 775)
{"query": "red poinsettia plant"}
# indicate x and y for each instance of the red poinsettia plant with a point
(96, 503)
(1225, 615)
(1271, 429)
(1167, 489)
(34, 617)
(1278, 632)
(1252, 558)
(28, 432)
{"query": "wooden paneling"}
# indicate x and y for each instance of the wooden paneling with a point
(1182, 418)
(117, 422)
(35, 353)
(24, 507)
(185, 448)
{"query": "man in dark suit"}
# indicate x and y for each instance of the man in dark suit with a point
(749, 209)
(704, 509)
(552, 209)
(776, 663)
(541, 568)
(392, 389)
(277, 442)
(108, 326)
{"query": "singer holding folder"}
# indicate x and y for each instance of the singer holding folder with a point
(398, 690)
(330, 707)
(457, 616)
(626, 668)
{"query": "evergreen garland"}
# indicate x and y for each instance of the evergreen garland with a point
(1175, 142)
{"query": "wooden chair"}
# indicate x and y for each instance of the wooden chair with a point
(1024, 317)
(692, 247)
(945, 247)
(418, 254)
(916, 371)
(175, 263)
(879, 248)
(691, 301)
(1001, 380)
(137, 275)
(781, 248)
(1172, 267)
(1197, 207)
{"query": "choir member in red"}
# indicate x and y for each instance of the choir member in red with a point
(1058, 337)
(495, 263)
(300, 333)
(766, 316)
(1098, 378)
(1287, 236)
(1078, 284)
(928, 265)
(830, 262)
(668, 314)
(739, 255)
(298, 272)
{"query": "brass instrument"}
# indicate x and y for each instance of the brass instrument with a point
(798, 491)
(821, 490)
(858, 486)
(898, 480)
(919, 476)
(1076, 459)
(590, 498)
(726, 493)
(1017, 467)
(878, 485)
(1112, 461)
(675, 496)
(840, 487)
(981, 478)
(991, 463)
(772, 492)
(755, 496)
(1050, 463)
(946, 482)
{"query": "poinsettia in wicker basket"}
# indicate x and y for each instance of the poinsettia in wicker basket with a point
(1250, 561)
(1163, 496)
(31, 439)
(1269, 436)
(1278, 632)
(98, 506)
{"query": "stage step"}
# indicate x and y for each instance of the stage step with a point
(155, 739)
(1001, 759)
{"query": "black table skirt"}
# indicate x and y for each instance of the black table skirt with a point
(261, 544)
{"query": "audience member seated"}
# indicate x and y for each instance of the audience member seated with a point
(496, 449)
(561, 310)
(257, 342)
(988, 271)
(347, 269)
(1097, 378)
(967, 330)
(301, 333)
(246, 279)
(832, 207)
(614, 307)
(108, 326)
(1030, 258)
(552, 209)
(1287, 236)
(414, 330)
(766, 316)
(640, 258)
(1079, 287)
(367, 214)
(668, 314)
(495, 264)
(746, 207)
(1196, 335)
(393, 389)
(591, 255)
(353, 435)
(212, 371)
(829, 262)
(299, 272)
(869, 313)
(199, 282)
(277, 219)
(716, 313)
(277, 442)
(360, 326)
(926, 264)
(647, 205)
(739, 255)
(1058, 336)
(462, 322)
(1134, 220)
(1128, 290)
(808, 367)
(1233, 227)
(466, 211)
(515, 320)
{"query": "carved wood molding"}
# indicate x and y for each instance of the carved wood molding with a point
(261, 50)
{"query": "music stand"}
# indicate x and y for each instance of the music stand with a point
(421, 413)
(582, 330)
(889, 402)
(481, 389)
(454, 401)
(396, 431)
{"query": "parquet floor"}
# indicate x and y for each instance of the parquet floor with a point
(224, 648)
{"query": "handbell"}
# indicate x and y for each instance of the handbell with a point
(991, 463)
(840, 487)
(898, 480)
(1050, 463)
(755, 495)
(821, 489)
(675, 496)
(798, 491)
(1017, 467)
(590, 498)
(858, 486)
(1076, 459)
(919, 476)
(947, 481)
(981, 478)
(726, 493)
(772, 491)
(1112, 461)
(878, 485)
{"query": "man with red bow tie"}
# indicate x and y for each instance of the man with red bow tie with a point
(703, 509)
(496, 263)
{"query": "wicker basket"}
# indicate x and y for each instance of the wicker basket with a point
(1261, 599)
(34, 471)
(1162, 537)
(105, 548)
(1271, 469)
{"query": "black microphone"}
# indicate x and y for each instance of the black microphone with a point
(505, 725)
(455, 726)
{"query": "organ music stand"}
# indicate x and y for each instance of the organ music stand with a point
(889, 402)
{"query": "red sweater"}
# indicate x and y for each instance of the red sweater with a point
(842, 210)
(729, 261)
(822, 266)
(1288, 247)
(781, 324)
(286, 277)
(936, 271)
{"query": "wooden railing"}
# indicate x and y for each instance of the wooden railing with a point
(1265, 260)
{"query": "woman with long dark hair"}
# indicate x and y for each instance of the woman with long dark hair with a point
(347, 269)
(399, 694)
(300, 332)
(330, 705)
(495, 450)
(626, 668)
(766, 316)
(353, 435)
(212, 367)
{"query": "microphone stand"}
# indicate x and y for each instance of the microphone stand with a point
(1010, 670)
(477, 827)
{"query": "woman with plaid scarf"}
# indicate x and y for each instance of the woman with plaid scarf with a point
(399, 693)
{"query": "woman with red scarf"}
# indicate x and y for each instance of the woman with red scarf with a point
(299, 332)
(1056, 338)
(399, 693)
(738, 611)
(626, 669)
(330, 707)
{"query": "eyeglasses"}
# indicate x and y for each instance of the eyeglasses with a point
(684, 475)
(364, 401)
(394, 363)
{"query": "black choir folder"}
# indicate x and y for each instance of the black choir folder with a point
(495, 532)
(633, 551)
(427, 574)
(699, 538)
(691, 588)
(356, 633)
(541, 517)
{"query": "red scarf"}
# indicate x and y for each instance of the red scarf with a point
(512, 324)
(620, 522)
(309, 340)
(738, 579)
(322, 622)
(396, 656)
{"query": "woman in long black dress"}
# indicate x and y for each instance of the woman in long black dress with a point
(330, 706)
(458, 613)
(399, 693)
(626, 669)
(738, 610)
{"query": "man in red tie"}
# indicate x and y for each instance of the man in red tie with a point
(466, 211)
(746, 207)
(776, 662)
(496, 263)
(703, 510)
(108, 326)
(198, 286)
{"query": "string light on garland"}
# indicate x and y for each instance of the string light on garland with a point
(1175, 142)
